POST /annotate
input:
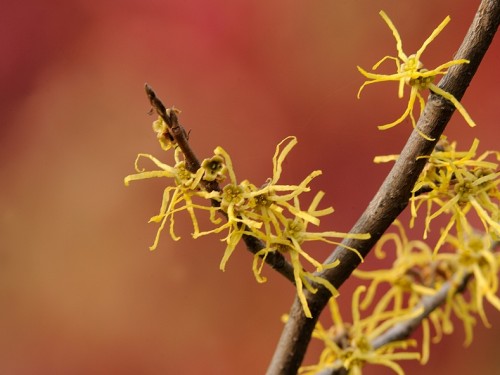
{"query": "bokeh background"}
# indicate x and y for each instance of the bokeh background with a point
(80, 293)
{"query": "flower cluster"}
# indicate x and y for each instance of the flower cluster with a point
(471, 256)
(349, 345)
(457, 182)
(396, 296)
(454, 183)
(270, 213)
(413, 275)
(410, 71)
(408, 273)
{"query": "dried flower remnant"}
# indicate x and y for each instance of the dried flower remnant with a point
(215, 169)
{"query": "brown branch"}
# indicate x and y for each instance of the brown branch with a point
(394, 193)
(179, 137)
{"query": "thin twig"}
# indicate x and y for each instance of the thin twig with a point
(393, 195)
(274, 259)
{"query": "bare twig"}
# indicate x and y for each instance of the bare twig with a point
(274, 259)
(394, 193)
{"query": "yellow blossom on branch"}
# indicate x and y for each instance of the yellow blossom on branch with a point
(288, 240)
(472, 254)
(270, 213)
(413, 275)
(458, 182)
(410, 71)
(348, 345)
(408, 274)
(236, 203)
(178, 197)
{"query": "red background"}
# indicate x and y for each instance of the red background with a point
(80, 292)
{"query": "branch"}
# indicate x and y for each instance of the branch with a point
(394, 194)
(179, 137)
(403, 330)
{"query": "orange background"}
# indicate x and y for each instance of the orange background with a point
(80, 292)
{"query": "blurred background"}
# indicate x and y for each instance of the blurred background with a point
(80, 293)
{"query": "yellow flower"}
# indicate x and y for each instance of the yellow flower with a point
(349, 345)
(413, 274)
(250, 209)
(288, 240)
(411, 71)
(272, 214)
(407, 275)
(235, 202)
(175, 198)
(472, 255)
(457, 182)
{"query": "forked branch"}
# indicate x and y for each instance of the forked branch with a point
(179, 137)
(394, 193)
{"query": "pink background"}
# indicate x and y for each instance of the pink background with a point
(80, 292)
